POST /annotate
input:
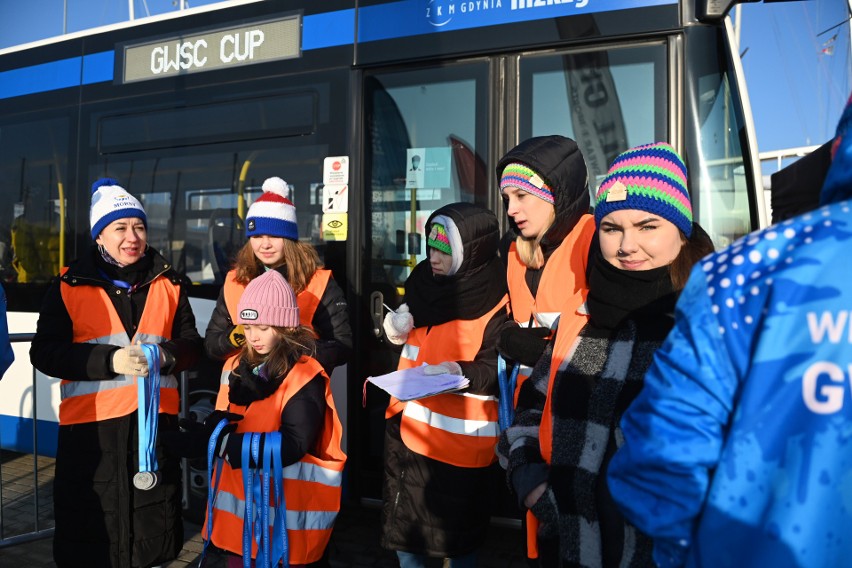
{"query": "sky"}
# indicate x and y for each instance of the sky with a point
(797, 91)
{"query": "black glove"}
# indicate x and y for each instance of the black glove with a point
(547, 513)
(191, 441)
(523, 344)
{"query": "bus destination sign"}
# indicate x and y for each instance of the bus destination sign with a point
(216, 49)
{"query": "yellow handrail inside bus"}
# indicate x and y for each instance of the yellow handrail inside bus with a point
(412, 258)
(241, 190)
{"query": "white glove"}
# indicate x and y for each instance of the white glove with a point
(398, 324)
(129, 360)
(445, 368)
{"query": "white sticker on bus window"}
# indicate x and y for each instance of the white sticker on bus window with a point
(335, 170)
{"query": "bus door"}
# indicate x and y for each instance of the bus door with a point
(433, 136)
(426, 140)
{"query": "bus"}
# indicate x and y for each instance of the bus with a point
(193, 110)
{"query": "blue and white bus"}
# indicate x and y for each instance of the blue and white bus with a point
(193, 110)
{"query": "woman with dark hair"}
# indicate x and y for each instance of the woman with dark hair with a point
(118, 294)
(566, 427)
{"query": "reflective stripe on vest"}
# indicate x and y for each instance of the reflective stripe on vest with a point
(563, 276)
(312, 486)
(95, 321)
(455, 428)
(306, 520)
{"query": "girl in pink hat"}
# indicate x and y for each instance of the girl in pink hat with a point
(286, 423)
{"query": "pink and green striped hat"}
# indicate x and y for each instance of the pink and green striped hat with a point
(439, 240)
(524, 177)
(651, 178)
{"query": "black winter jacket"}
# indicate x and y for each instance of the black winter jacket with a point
(431, 507)
(330, 322)
(101, 519)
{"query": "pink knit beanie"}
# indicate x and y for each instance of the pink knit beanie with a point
(268, 300)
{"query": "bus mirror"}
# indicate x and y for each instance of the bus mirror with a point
(714, 10)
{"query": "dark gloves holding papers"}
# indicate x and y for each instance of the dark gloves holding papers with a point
(522, 344)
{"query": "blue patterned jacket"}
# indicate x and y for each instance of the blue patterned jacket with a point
(738, 451)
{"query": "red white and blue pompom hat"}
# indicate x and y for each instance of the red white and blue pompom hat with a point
(273, 213)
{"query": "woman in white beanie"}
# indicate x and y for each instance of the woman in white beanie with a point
(273, 244)
(118, 294)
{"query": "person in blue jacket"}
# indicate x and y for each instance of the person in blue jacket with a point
(738, 450)
(6, 354)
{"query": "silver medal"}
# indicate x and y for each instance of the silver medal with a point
(145, 480)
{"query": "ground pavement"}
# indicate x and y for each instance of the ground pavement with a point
(354, 542)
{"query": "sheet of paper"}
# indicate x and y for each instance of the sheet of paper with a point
(409, 384)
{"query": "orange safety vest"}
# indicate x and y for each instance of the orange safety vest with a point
(460, 429)
(566, 336)
(312, 485)
(308, 300)
(564, 276)
(94, 320)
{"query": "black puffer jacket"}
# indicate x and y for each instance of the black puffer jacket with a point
(101, 520)
(431, 507)
(330, 322)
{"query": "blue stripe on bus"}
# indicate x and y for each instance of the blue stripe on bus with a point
(378, 22)
(98, 67)
(16, 434)
(72, 72)
(38, 78)
(416, 17)
(328, 30)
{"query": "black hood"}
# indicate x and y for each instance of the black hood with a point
(479, 232)
(480, 281)
(559, 161)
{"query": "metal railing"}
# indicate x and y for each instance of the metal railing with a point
(36, 533)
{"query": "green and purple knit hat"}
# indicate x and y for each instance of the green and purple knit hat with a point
(439, 240)
(650, 178)
(525, 178)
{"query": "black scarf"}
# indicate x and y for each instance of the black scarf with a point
(616, 295)
(248, 383)
(434, 300)
(131, 274)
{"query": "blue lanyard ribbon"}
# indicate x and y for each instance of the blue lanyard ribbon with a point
(259, 494)
(506, 408)
(148, 391)
(212, 485)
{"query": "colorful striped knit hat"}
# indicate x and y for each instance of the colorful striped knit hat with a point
(525, 178)
(273, 213)
(439, 240)
(651, 178)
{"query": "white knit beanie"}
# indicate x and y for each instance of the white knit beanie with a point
(111, 202)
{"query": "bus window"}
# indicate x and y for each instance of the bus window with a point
(196, 201)
(426, 140)
(607, 100)
(33, 174)
(719, 175)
